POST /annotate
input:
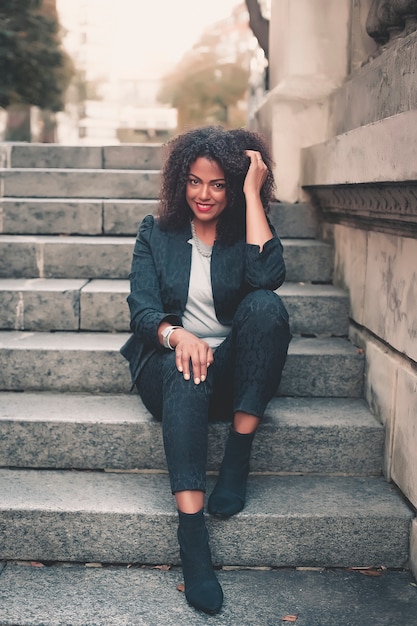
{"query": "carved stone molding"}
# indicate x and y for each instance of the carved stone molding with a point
(387, 19)
(386, 207)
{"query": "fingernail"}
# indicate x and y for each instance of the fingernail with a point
(197, 381)
(203, 378)
(186, 377)
(180, 369)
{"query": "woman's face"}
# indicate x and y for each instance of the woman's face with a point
(206, 190)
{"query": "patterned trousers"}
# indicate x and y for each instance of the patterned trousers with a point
(244, 376)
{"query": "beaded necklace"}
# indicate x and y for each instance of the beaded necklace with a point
(198, 244)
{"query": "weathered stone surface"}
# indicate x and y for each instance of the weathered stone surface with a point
(19, 257)
(50, 217)
(133, 156)
(383, 151)
(40, 304)
(350, 264)
(335, 368)
(65, 257)
(55, 156)
(123, 217)
(62, 183)
(378, 91)
(313, 309)
(391, 291)
(316, 309)
(404, 457)
(95, 432)
(413, 547)
(119, 596)
(88, 362)
(380, 392)
(111, 257)
(75, 516)
(104, 306)
(294, 220)
(80, 595)
(91, 362)
(308, 260)
(92, 257)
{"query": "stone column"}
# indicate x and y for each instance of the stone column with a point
(309, 45)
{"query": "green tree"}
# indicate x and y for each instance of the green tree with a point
(34, 68)
(204, 89)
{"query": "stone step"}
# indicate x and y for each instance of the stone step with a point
(297, 221)
(28, 256)
(79, 183)
(100, 305)
(91, 362)
(47, 430)
(56, 216)
(133, 156)
(300, 520)
(64, 594)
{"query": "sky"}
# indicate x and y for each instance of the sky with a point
(140, 38)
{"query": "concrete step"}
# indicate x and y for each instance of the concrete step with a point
(69, 304)
(299, 520)
(91, 362)
(133, 156)
(65, 594)
(56, 216)
(295, 220)
(59, 431)
(27, 256)
(79, 183)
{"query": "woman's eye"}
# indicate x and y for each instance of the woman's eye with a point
(193, 181)
(219, 185)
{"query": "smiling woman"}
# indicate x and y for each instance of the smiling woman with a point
(210, 333)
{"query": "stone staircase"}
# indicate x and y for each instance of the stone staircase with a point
(82, 471)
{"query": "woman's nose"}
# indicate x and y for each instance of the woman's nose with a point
(204, 192)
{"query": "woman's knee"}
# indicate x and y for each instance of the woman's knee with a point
(266, 307)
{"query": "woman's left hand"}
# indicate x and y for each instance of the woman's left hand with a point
(256, 174)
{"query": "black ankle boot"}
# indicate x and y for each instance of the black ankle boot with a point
(202, 588)
(228, 496)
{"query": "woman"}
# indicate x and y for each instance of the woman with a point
(210, 336)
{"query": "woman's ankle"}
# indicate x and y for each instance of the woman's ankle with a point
(189, 501)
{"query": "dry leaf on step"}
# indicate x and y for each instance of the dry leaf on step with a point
(366, 571)
(181, 587)
(289, 618)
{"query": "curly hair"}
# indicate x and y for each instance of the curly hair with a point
(227, 148)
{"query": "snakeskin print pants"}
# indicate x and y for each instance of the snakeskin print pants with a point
(244, 376)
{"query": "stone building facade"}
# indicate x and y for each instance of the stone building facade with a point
(342, 116)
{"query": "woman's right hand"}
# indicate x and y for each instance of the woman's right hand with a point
(191, 349)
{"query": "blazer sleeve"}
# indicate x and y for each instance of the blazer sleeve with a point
(145, 302)
(265, 269)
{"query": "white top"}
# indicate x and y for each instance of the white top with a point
(199, 316)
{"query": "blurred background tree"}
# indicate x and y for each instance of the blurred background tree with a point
(34, 68)
(205, 88)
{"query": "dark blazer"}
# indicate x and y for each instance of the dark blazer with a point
(160, 277)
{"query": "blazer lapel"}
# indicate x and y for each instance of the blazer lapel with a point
(178, 268)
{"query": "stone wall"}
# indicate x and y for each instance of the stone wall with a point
(342, 115)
